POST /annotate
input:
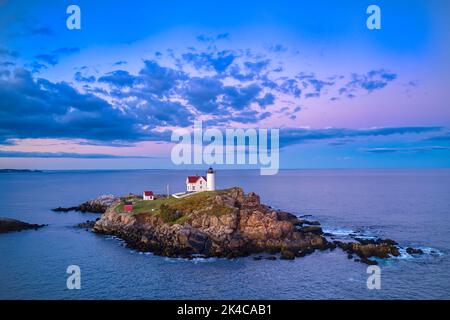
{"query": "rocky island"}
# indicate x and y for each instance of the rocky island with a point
(9, 225)
(225, 223)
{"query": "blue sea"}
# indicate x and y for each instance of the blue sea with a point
(409, 206)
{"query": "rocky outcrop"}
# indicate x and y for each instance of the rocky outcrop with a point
(99, 205)
(88, 224)
(365, 249)
(9, 225)
(410, 250)
(225, 224)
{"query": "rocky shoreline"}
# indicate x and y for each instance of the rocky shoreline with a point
(229, 223)
(10, 225)
(99, 205)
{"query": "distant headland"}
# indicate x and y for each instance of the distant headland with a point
(18, 170)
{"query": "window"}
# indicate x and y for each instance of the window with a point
(193, 187)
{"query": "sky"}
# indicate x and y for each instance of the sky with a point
(108, 96)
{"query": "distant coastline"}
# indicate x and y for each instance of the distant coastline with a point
(18, 170)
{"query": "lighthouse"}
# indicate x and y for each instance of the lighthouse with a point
(210, 180)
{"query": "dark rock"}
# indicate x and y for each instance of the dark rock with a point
(369, 262)
(349, 256)
(271, 258)
(312, 229)
(411, 250)
(287, 255)
(257, 258)
(369, 248)
(311, 223)
(304, 252)
(378, 241)
(88, 224)
(61, 209)
(9, 225)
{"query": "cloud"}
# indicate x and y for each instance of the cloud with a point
(212, 39)
(120, 106)
(257, 66)
(5, 73)
(218, 61)
(241, 97)
(47, 58)
(61, 111)
(159, 80)
(164, 113)
(203, 93)
(53, 57)
(35, 29)
(405, 150)
(119, 78)
(36, 66)
(291, 136)
(277, 48)
(249, 116)
(80, 78)
(290, 86)
(38, 108)
(445, 137)
(22, 154)
(267, 100)
(8, 53)
(371, 81)
(7, 64)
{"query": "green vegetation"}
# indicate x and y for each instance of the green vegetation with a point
(169, 214)
(176, 211)
(140, 206)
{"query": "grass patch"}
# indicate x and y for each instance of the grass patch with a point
(147, 206)
(167, 208)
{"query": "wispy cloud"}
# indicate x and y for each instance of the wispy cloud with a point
(53, 57)
(20, 154)
(405, 150)
(291, 136)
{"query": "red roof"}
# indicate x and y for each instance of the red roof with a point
(194, 179)
(148, 193)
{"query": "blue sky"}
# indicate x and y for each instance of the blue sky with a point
(108, 95)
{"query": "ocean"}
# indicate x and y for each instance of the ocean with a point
(409, 206)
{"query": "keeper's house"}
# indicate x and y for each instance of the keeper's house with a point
(201, 183)
(148, 195)
(195, 183)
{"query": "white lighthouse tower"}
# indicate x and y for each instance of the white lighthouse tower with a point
(210, 180)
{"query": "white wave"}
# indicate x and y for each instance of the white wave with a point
(193, 260)
(427, 251)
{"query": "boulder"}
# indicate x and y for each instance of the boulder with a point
(287, 254)
(411, 250)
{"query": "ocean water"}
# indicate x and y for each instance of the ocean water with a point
(409, 206)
